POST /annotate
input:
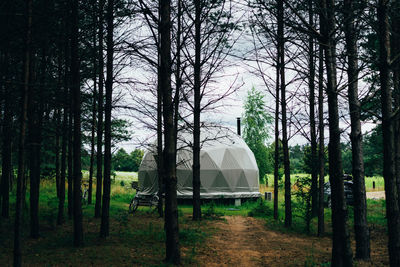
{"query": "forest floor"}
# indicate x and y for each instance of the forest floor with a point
(247, 241)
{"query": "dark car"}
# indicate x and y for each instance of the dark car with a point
(348, 191)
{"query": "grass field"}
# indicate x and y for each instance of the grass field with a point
(379, 182)
(140, 239)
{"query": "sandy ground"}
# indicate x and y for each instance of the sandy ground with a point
(376, 195)
(246, 241)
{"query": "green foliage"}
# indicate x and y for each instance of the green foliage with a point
(302, 204)
(261, 209)
(122, 161)
(373, 152)
(211, 213)
(255, 133)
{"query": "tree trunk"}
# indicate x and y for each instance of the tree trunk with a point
(61, 201)
(396, 90)
(92, 144)
(196, 114)
(276, 152)
(392, 204)
(35, 114)
(160, 168)
(57, 151)
(21, 149)
(171, 205)
(104, 229)
(94, 108)
(313, 134)
(341, 249)
(321, 150)
(77, 143)
(360, 199)
(99, 155)
(7, 139)
(285, 145)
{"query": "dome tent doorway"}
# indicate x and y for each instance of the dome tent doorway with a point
(228, 168)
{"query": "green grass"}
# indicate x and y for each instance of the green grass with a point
(379, 181)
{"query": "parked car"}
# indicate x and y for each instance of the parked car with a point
(348, 191)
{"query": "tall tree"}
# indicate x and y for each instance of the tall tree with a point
(171, 205)
(77, 142)
(321, 147)
(392, 204)
(104, 229)
(100, 110)
(196, 111)
(286, 160)
(341, 249)
(360, 200)
(21, 148)
(313, 134)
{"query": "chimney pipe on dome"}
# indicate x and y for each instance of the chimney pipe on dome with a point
(238, 126)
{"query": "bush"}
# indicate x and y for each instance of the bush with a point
(211, 213)
(261, 209)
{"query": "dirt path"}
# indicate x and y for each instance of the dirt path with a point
(245, 241)
(376, 195)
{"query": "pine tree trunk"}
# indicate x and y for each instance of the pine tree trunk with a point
(285, 145)
(360, 199)
(21, 149)
(92, 144)
(57, 152)
(77, 143)
(313, 134)
(392, 203)
(61, 201)
(276, 152)
(171, 205)
(321, 149)
(94, 108)
(6, 150)
(100, 109)
(341, 249)
(104, 229)
(196, 115)
(35, 114)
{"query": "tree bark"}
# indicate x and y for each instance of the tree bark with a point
(57, 151)
(21, 149)
(341, 249)
(321, 150)
(77, 142)
(99, 155)
(94, 107)
(7, 139)
(360, 199)
(104, 229)
(392, 204)
(61, 201)
(196, 113)
(35, 114)
(285, 145)
(313, 134)
(276, 152)
(171, 205)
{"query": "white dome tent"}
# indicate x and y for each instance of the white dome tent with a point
(228, 168)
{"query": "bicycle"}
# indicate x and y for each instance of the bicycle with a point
(143, 200)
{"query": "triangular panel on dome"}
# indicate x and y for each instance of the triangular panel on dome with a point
(207, 178)
(229, 161)
(206, 162)
(241, 155)
(217, 155)
(220, 183)
(243, 183)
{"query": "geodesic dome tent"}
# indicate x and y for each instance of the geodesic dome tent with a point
(228, 168)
